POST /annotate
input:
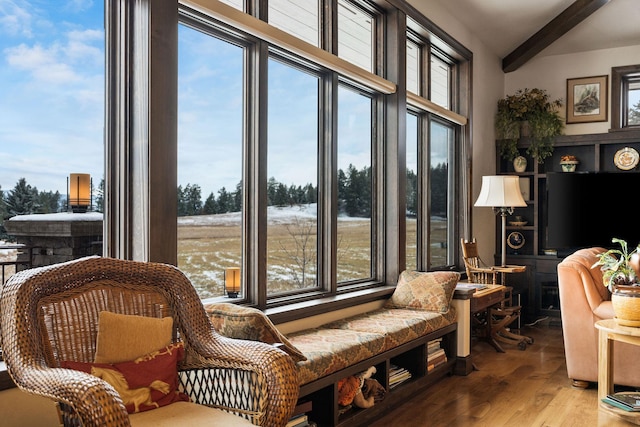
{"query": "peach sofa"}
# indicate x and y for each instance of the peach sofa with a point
(583, 301)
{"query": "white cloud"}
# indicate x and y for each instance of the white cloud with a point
(15, 20)
(78, 5)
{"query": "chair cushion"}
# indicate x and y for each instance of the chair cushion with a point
(431, 291)
(123, 337)
(248, 323)
(187, 414)
(148, 382)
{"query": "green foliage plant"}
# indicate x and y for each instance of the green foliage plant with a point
(616, 266)
(534, 107)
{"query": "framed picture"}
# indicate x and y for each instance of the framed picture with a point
(587, 99)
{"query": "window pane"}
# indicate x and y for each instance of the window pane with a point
(355, 35)
(439, 187)
(413, 67)
(210, 105)
(52, 103)
(355, 187)
(440, 82)
(292, 167)
(634, 103)
(299, 18)
(412, 193)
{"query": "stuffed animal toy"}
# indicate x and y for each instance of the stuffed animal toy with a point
(360, 390)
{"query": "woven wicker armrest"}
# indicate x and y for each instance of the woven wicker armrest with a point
(242, 376)
(79, 394)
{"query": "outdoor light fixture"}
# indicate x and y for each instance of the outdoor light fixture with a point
(232, 281)
(79, 194)
(502, 193)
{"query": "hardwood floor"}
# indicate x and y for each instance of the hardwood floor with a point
(515, 388)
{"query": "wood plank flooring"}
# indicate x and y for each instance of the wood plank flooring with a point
(515, 388)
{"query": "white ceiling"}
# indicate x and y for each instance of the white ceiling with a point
(503, 25)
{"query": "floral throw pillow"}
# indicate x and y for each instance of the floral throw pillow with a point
(146, 383)
(429, 291)
(246, 323)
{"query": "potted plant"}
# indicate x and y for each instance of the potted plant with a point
(528, 112)
(620, 272)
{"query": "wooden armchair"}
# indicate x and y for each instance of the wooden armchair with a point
(50, 314)
(496, 320)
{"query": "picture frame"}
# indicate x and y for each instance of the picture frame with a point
(587, 99)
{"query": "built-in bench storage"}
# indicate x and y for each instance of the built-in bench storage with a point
(418, 317)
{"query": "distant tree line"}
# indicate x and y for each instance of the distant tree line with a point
(354, 194)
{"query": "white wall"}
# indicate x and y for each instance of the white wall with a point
(551, 73)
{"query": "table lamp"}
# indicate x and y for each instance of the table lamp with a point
(502, 193)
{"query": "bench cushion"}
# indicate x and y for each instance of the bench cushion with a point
(330, 350)
(398, 326)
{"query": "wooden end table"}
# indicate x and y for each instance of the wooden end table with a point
(609, 332)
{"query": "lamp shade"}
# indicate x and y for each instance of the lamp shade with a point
(500, 191)
(79, 191)
(232, 281)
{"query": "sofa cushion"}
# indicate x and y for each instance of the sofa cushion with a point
(329, 350)
(431, 291)
(123, 337)
(234, 321)
(187, 414)
(146, 383)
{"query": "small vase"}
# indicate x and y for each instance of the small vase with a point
(520, 164)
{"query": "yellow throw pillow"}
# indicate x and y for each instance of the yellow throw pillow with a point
(123, 337)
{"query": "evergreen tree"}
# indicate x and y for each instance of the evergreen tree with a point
(99, 204)
(193, 199)
(237, 198)
(48, 202)
(22, 200)
(634, 115)
(182, 207)
(438, 190)
(210, 205)
(3, 206)
(225, 201)
(412, 193)
(272, 187)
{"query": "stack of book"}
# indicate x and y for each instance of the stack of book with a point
(300, 417)
(629, 401)
(436, 355)
(397, 376)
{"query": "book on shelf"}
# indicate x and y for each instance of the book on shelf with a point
(436, 353)
(629, 401)
(301, 420)
(398, 375)
(432, 364)
(433, 345)
(302, 407)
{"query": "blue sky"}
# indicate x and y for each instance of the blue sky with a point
(51, 92)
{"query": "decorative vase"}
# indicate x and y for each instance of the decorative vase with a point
(525, 129)
(520, 164)
(626, 305)
(569, 166)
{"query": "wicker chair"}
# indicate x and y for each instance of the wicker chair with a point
(253, 380)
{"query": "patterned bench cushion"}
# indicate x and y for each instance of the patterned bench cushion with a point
(398, 326)
(330, 350)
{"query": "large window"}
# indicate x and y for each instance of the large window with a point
(290, 159)
(625, 97)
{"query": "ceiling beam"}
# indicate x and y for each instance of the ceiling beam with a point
(556, 28)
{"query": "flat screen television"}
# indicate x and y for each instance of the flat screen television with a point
(589, 209)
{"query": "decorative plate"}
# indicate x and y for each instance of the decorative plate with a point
(515, 240)
(626, 158)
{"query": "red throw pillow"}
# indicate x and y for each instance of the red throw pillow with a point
(148, 382)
